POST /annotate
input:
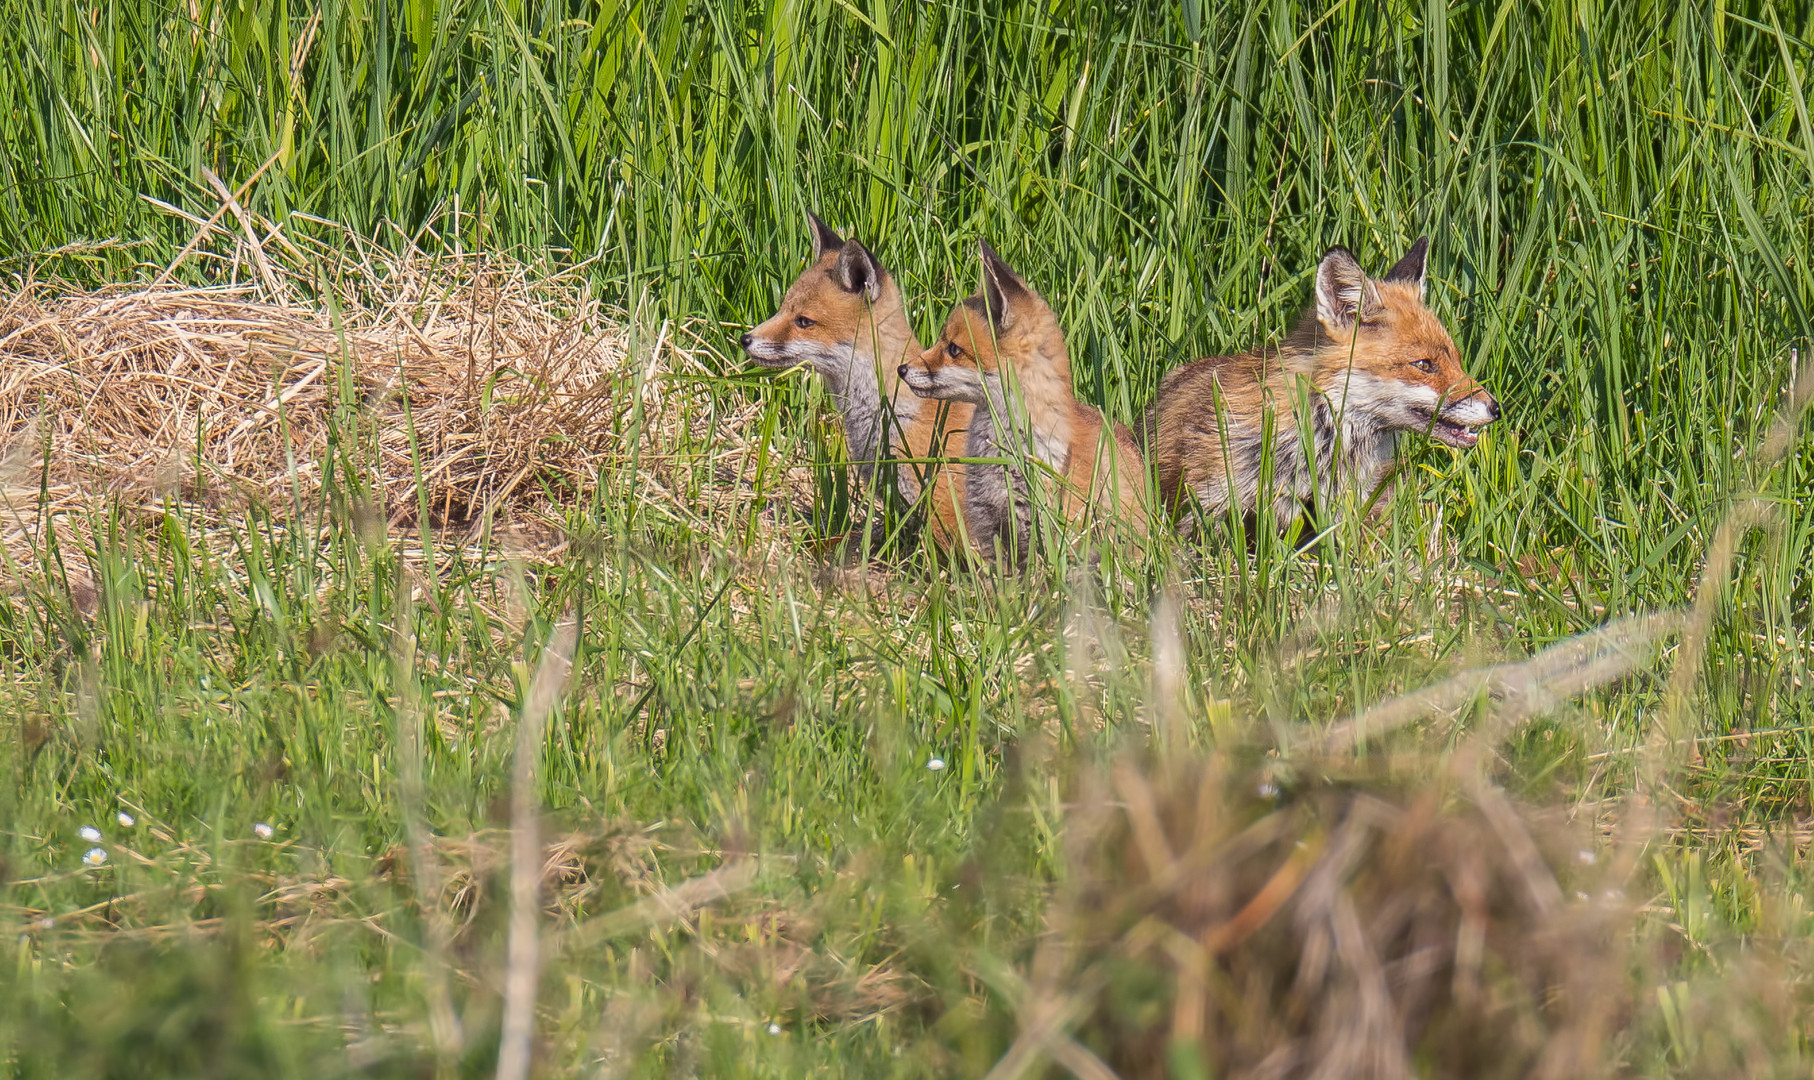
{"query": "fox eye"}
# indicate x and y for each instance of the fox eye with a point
(804, 323)
(953, 350)
(1424, 366)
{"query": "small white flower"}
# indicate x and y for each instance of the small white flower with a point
(1585, 857)
(263, 831)
(1269, 790)
(125, 820)
(936, 764)
(1579, 895)
(95, 857)
(774, 1029)
(89, 833)
(47, 923)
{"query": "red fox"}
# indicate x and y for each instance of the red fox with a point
(1002, 352)
(844, 318)
(1367, 362)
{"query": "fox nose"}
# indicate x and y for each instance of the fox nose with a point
(744, 340)
(1492, 407)
(903, 371)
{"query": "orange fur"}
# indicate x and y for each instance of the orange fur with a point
(844, 316)
(1002, 350)
(1369, 361)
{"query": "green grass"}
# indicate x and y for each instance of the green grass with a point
(1619, 196)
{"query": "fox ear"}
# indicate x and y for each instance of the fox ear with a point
(857, 270)
(1410, 269)
(1001, 287)
(824, 239)
(1344, 296)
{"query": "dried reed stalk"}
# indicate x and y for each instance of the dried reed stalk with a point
(523, 954)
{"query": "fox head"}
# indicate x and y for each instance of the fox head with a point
(1004, 324)
(1385, 359)
(829, 315)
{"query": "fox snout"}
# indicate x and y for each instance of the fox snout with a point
(1458, 423)
(947, 382)
(1476, 408)
(919, 378)
(779, 350)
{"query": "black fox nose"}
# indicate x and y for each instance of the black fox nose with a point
(744, 340)
(1492, 407)
(903, 371)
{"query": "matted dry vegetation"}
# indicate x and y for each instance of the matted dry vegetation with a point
(506, 387)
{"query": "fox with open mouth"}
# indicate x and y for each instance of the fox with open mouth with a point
(1368, 361)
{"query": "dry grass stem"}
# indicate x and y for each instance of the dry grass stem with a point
(1519, 690)
(522, 963)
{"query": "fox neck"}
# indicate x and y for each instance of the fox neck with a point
(1355, 441)
(871, 397)
(1036, 399)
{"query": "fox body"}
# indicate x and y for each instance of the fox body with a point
(1001, 352)
(1369, 361)
(844, 318)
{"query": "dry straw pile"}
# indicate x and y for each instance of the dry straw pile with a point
(505, 387)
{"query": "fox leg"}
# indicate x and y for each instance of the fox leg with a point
(997, 507)
(985, 487)
(1020, 523)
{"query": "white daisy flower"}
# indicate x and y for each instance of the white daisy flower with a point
(125, 820)
(774, 1029)
(95, 857)
(936, 764)
(89, 833)
(263, 831)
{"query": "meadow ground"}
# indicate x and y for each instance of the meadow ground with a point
(348, 699)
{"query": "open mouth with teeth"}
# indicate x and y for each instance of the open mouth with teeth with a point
(1453, 433)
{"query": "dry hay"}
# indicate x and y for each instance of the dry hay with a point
(518, 385)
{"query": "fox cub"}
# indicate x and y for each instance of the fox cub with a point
(1002, 352)
(1368, 361)
(844, 318)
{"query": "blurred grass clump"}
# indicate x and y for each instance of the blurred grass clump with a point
(1180, 801)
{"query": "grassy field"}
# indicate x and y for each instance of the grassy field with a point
(330, 741)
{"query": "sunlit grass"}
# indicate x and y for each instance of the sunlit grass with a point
(1618, 197)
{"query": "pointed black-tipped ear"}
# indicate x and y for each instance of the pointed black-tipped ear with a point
(857, 270)
(1001, 286)
(1410, 269)
(1344, 296)
(824, 239)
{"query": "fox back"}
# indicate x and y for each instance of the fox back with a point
(1369, 361)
